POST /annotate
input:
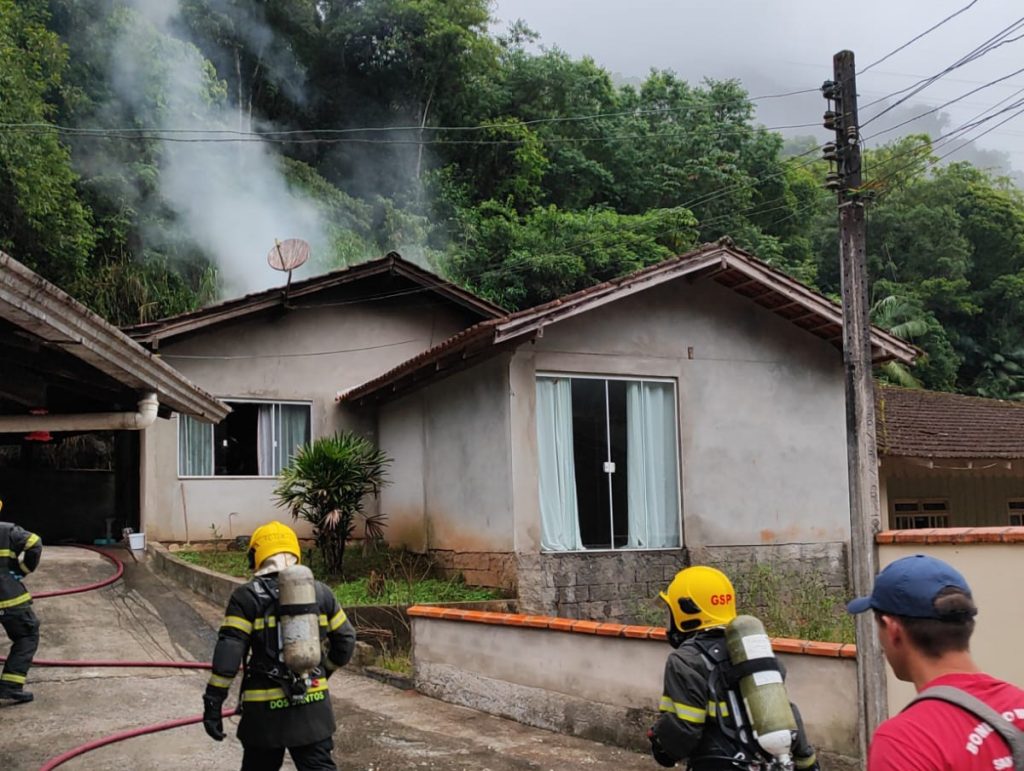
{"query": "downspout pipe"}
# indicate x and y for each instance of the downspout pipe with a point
(85, 421)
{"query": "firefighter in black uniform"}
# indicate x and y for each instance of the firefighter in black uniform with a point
(277, 712)
(695, 723)
(19, 555)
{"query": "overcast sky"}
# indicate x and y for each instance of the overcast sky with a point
(783, 45)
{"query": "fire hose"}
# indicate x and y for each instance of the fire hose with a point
(120, 736)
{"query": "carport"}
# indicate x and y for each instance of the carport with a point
(74, 394)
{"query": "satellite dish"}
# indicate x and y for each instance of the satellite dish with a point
(288, 255)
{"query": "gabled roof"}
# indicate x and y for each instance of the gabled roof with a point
(48, 335)
(915, 423)
(731, 267)
(153, 332)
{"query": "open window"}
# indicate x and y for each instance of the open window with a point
(608, 463)
(917, 514)
(1015, 512)
(256, 439)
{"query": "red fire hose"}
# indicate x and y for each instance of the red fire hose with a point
(118, 572)
(129, 733)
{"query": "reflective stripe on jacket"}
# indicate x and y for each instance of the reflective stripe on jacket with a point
(20, 551)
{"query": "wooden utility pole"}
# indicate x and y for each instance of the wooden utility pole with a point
(865, 519)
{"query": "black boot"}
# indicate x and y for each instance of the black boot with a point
(16, 694)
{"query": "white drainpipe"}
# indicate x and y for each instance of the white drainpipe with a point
(86, 421)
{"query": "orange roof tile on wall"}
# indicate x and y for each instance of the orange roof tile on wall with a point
(953, 535)
(556, 624)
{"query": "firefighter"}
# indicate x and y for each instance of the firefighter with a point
(696, 722)
(19, 555)
(279, 710)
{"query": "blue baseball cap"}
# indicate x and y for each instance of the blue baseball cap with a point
(909, 586)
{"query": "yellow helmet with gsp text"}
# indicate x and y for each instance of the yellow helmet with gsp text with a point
(270, 539)
(700, 597)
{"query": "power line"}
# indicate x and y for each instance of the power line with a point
(979, 51)
(918, 37)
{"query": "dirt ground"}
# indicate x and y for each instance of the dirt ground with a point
(146, 617)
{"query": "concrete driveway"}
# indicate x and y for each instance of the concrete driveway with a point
(146, 617)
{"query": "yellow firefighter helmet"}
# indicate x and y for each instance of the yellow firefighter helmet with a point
(700, 597)
(270, 539)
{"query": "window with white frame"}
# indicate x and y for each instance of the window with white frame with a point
(255, 439)
(608, 463)
(924, 513)
(1015, 510)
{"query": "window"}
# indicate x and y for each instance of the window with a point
(1015, 508)
(608, 458)
(912, 515)
(255, 439)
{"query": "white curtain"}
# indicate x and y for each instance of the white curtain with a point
(266, 445)
(281, 429)
(195, 447)
(292, 433)
(559, 514)
(652, 468)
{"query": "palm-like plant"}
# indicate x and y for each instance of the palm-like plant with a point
(903, 320)
(326, 484)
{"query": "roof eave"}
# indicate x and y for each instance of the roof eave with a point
(39, 307)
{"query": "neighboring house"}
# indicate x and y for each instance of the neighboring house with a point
(65, 371)
(581, 451)
(949, 460)
(278, 360)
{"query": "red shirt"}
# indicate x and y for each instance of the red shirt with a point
(938, 736)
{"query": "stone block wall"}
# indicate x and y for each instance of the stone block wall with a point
(492, 569)
(623, 586)
(601, 586)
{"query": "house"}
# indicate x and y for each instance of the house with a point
(949, 460)
(277, 358)
(66, 371)
(579, 452)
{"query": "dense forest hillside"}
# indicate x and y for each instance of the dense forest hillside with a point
(151, 150)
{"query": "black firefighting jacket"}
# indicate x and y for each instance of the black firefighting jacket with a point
(696, 722)
(20, 551)
(249, 633)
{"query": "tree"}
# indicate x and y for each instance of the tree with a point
(326, 484)
(43, 223)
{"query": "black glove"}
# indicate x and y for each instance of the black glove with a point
(658, 752)
(213, 723)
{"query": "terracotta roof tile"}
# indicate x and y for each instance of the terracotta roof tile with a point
(931, 424)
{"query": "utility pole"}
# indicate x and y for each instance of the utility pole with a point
(865, 517)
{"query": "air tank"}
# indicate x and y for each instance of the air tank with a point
(299, 618)
(764, 694)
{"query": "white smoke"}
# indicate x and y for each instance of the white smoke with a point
(231, 197)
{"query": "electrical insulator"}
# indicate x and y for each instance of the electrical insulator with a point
(829, 152)
(830, 89)
(830, 120)
(832, 181)
(851, 134)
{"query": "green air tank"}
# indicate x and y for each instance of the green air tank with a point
(764, 693)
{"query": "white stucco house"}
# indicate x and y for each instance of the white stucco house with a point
(577, 453)
(277, 359)
(581, 451)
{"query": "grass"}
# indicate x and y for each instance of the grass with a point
(397, 661)
(232, 563)
(399, 592)
(376, 577)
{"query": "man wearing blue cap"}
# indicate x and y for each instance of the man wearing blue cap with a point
(961, 719)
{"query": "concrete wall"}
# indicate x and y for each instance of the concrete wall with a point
(596, 685)
(995, 573)
(977, 496)
(305, 354)
(450, 441)
(761, 411)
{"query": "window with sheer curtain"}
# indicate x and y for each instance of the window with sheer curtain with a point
(255, 439)
(608, 463)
